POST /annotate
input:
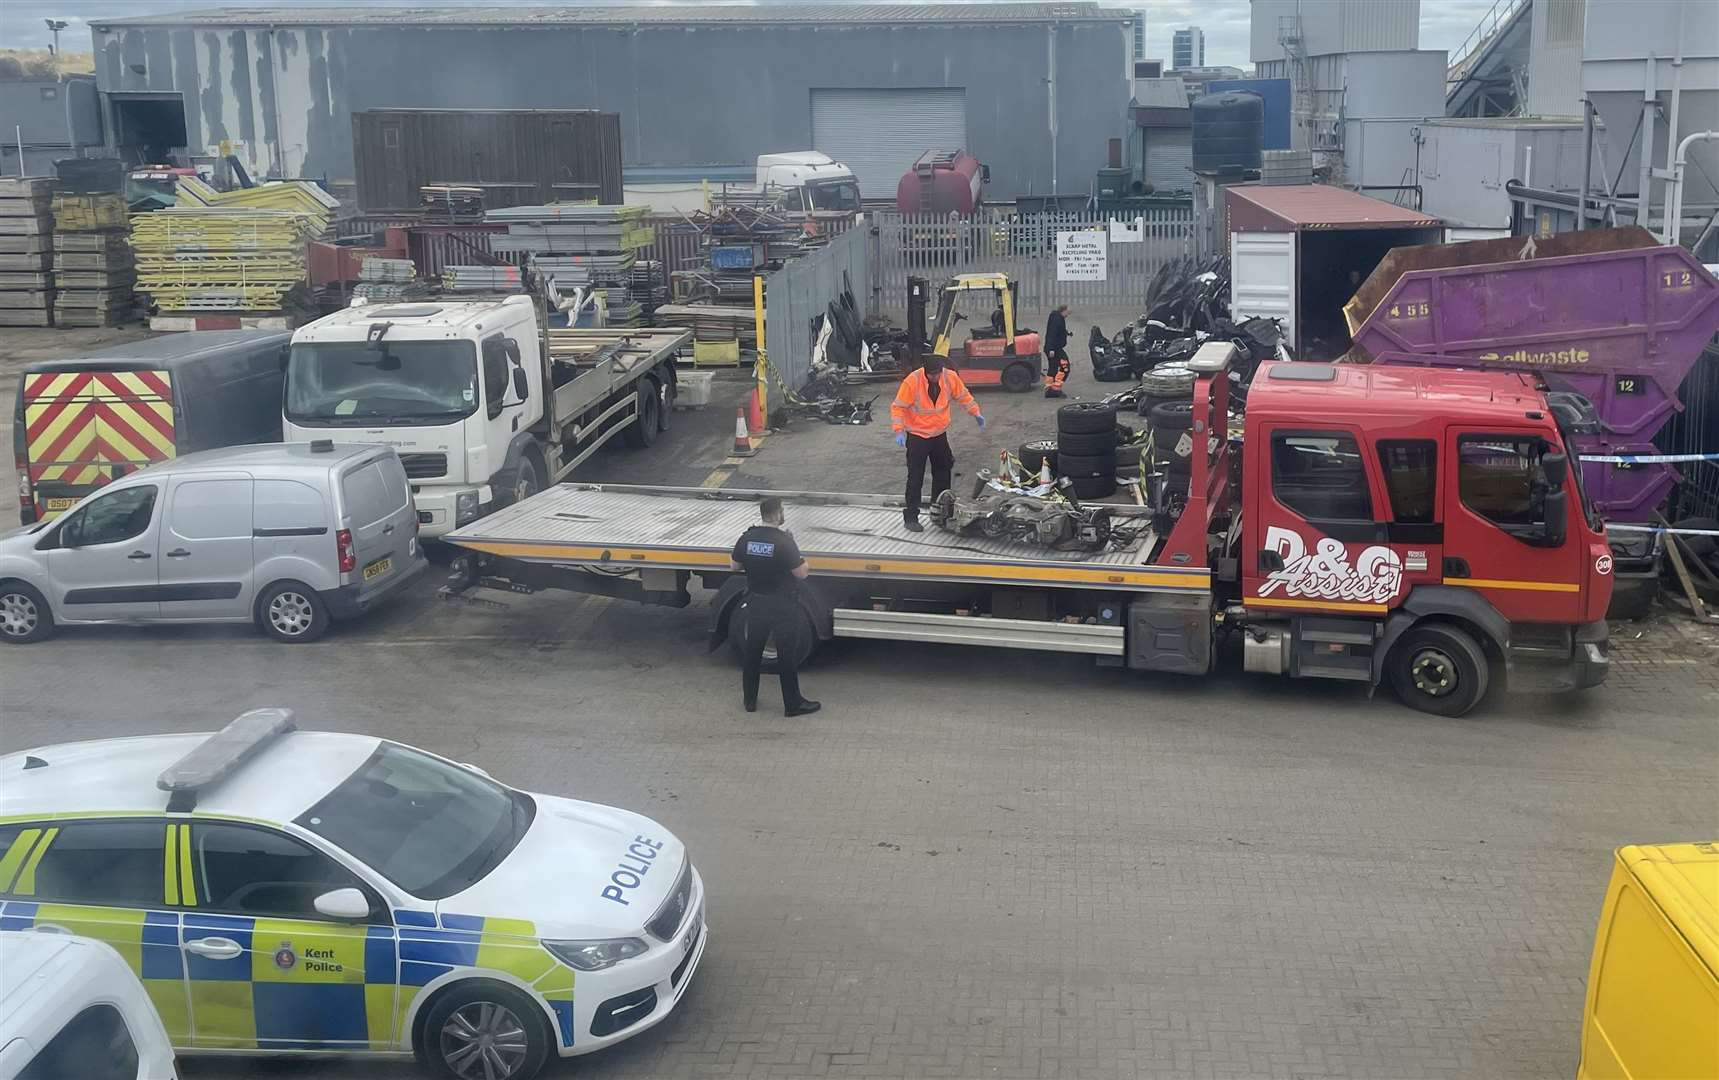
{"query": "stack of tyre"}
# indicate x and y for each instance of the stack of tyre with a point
(1167, 403)
(1086, 448)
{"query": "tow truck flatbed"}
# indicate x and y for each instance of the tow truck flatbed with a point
(694, 529)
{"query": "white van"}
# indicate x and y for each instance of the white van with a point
(289, 536)
(70, 1007)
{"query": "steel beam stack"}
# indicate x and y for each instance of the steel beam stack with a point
(26, 252)
(581, 245)
(94, 273)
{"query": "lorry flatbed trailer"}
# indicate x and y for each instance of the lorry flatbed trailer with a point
(694, 529)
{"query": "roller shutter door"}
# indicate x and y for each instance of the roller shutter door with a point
(1170, 159)
(879, 133)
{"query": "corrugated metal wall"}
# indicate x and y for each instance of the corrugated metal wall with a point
(802, 290)
(519, 158)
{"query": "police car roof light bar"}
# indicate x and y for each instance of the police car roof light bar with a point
(220, 755)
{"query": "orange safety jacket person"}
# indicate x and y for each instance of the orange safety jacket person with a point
(914, 412)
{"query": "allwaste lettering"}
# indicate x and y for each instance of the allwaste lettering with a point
(1555, 358)
(1325, 573)
(631, 869)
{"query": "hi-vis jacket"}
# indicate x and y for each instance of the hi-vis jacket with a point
(915, 413)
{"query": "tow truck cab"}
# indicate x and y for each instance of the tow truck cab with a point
(1417, 526)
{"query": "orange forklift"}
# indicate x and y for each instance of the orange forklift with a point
(996, 352)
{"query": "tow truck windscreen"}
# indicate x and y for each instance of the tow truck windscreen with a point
(834, 195)
(356, 383)
(430, 827)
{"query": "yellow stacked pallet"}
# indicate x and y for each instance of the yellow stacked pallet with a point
(295, 196)
(226, 258)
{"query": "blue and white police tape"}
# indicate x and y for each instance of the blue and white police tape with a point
(1647, 459)
(1614, 527)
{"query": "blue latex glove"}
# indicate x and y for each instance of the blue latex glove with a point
(901, 438)
(981, 418)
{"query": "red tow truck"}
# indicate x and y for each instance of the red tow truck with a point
(1375, 524)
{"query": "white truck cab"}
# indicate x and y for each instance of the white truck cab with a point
(809, 180)
(456, 388)
(483, 406)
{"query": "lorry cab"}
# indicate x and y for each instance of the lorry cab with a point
(455, 388)
(1424, 527)
(82, 422)
(809, 182)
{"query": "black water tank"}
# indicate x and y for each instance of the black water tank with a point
(1229, 132)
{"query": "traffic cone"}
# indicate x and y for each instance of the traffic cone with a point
(742, 439)
(755, 414)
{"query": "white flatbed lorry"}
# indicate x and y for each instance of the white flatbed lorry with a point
(484, 403)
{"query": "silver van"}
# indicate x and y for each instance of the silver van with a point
(286, 536)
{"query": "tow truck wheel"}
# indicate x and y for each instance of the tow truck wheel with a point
(1439, 669)
(24, 614)
(483, 1031)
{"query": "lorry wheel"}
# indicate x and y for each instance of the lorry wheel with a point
(524, 482)
(1438, 669)
(642, 432)
(1018, 378)
(807, 638)
(665, 404)
(24, 614)
(483, 1031)
(291, 611)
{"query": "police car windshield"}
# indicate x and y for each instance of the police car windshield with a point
(429, 827)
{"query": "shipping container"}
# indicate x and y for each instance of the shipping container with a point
(519, 157)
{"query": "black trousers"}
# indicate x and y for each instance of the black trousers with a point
(1056, 358)
(771, 617)
(919, 451)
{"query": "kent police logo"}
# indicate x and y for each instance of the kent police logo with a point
(285, 958)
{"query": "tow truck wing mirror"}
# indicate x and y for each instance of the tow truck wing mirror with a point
(1557, 470)
(1557, 514)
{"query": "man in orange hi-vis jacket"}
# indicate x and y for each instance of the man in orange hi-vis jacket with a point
(920, 416)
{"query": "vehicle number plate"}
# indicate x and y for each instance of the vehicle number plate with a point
(62, 504)
(378, 568)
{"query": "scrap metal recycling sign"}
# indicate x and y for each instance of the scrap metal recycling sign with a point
(1082, 255)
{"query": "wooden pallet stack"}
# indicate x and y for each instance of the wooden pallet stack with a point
(26, 252)
(94, 274)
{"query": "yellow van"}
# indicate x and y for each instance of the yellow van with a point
(1653, 988)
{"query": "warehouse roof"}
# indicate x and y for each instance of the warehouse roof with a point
(1316, 206)
(587, 15)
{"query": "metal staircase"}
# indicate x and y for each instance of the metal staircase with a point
(1487, 73)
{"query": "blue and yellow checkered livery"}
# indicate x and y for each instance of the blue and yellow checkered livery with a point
(291, 984)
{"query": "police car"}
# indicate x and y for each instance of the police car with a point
(280, 890)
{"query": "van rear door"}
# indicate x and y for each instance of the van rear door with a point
(85, 428)
(377, 504)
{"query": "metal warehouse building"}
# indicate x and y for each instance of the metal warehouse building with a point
(1034, 90)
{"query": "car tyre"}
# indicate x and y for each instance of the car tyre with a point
(24, 614)
(1081, 466)
(1085, 418)
(292, 612)
(1439, 669)
(1035, 454)
(807, 639)
(447, 1041)
(1087, 488)
(1172, 416)
(1085, 445)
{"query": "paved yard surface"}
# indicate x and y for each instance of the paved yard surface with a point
(983, 864)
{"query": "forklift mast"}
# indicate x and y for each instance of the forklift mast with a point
(918, 291)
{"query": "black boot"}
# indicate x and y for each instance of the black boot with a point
(912, 525)
(804, 708)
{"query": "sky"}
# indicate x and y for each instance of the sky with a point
(1444, 23)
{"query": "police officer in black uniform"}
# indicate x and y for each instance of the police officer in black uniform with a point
(774, 568)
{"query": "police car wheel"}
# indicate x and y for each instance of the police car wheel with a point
(1438, 669)
(291, 611)
(24, 614)
(484, 1031)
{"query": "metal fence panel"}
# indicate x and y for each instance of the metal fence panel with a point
(1024, 247)
(802, 290)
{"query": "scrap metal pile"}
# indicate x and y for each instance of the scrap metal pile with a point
(1187, 304)
(1051, 520)
(581, 245)
(738, 241)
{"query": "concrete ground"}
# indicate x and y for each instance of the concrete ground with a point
(991, 864)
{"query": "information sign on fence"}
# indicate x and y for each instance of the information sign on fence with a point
(1082, 255)
(1126, 231)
